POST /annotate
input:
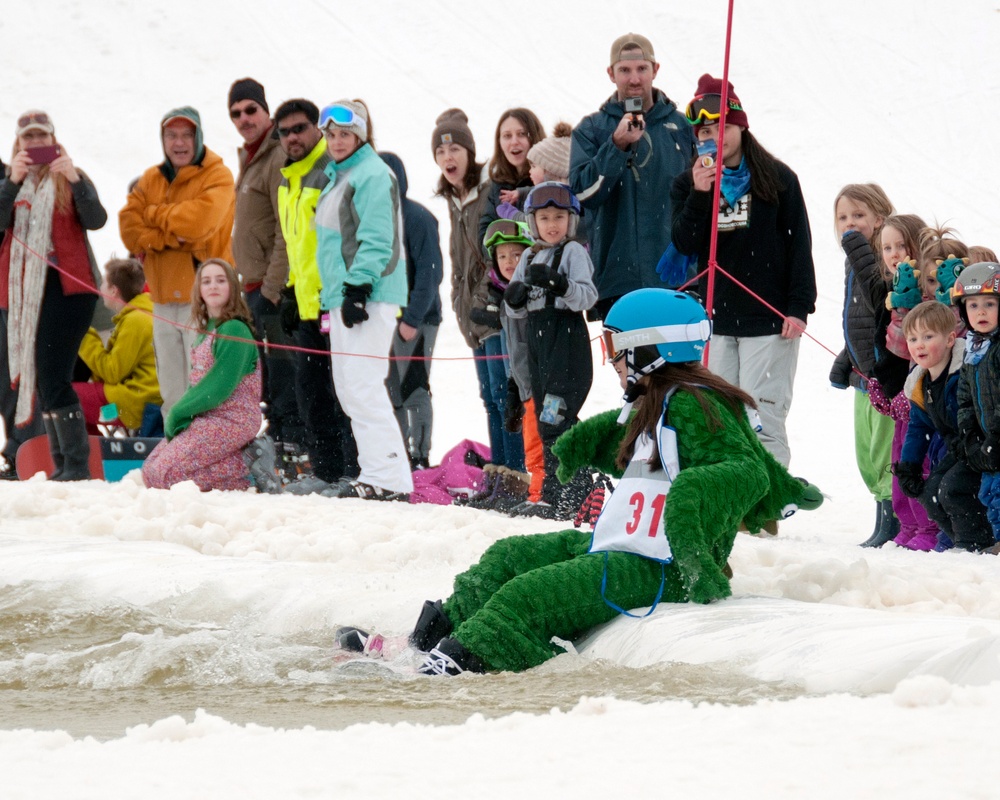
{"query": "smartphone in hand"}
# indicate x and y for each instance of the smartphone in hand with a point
(707, 151)
(44, 155)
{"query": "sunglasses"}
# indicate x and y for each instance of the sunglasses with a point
(249, 111)
(38, 119)
(342, 117)
(707, 108)
(293, 129)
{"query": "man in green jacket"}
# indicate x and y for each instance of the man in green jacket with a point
(329, 440)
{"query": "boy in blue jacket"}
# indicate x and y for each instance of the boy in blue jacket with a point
(949, 493)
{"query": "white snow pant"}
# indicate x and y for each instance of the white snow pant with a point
(360, 386)
(764, 368)
(173, 338)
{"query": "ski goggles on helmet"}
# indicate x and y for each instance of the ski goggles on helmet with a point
(506, 231)
(618, 343)
(609, 351)
(552, 194)
(708, 108)
(342, 117)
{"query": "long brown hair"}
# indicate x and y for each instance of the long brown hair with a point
(64, 193)
(501, 170)
(690, 377)
(235, 308)
(765, 182)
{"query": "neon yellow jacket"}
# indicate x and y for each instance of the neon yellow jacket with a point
(301, 185)
(126, 366)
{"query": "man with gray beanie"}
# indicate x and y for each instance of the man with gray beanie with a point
(623, 163)
(261, 258)
(178, 214)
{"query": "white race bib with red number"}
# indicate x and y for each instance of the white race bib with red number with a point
(632, 519)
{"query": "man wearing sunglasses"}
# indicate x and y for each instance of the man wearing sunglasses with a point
(329, 438)
(178, 214)
(261, 259)
(623, 162)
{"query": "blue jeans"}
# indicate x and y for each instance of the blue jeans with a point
(507, 449)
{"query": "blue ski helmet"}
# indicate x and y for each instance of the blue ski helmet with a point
(552, 193)
(651, 327)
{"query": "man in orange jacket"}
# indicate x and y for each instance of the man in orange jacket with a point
(179, 214)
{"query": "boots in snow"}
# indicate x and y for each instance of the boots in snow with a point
(889, 528)
(924, 541)
(74, 443)
(260, 457)
(878, 525)
(57, 457)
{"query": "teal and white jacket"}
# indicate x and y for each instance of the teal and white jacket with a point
(359, 226)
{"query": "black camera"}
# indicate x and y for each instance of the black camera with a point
(633, 106)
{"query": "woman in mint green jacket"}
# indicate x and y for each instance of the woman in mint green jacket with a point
(362, 265)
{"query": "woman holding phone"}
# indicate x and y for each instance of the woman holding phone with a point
(48, 283)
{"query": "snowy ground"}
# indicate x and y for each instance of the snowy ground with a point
(893, 655)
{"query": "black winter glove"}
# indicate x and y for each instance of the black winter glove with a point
(989, 453)
(514, 409)
(288, 311)
(516, 295)
(489, 316)
(910, 477)
(549, 279)
(972, 442)
(355, 297)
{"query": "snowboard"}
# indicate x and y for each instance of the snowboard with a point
(110, 458)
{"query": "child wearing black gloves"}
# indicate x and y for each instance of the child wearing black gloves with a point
(552, 286)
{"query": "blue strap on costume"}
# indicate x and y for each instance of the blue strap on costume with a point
(626, 612)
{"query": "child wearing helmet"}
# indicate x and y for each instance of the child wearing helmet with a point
(506, 485)
(977, 294)
(687, 444)
(551, 288)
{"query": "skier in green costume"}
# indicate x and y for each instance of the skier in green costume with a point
(692, 472)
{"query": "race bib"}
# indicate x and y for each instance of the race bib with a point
(632, 519)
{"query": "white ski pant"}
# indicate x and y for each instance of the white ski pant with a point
(360, 385)
(764, 368)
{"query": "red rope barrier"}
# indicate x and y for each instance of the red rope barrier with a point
(291, 347)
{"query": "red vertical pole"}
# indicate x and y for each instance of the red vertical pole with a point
(724, 108)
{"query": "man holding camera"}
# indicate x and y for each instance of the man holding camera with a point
(623, 162)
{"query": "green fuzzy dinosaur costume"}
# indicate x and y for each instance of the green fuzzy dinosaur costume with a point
(526, 589)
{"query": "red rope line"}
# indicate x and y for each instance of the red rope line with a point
(295, 348)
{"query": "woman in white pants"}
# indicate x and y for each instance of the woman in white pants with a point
(362, 266)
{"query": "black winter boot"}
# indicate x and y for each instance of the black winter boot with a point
(57, 457)
(878, 526)
(71, 431)
(432, 626)
(889, 528)
(450, 658)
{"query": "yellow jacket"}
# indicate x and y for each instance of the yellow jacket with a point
(126, 366)
(174, 225)
(301, 185)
